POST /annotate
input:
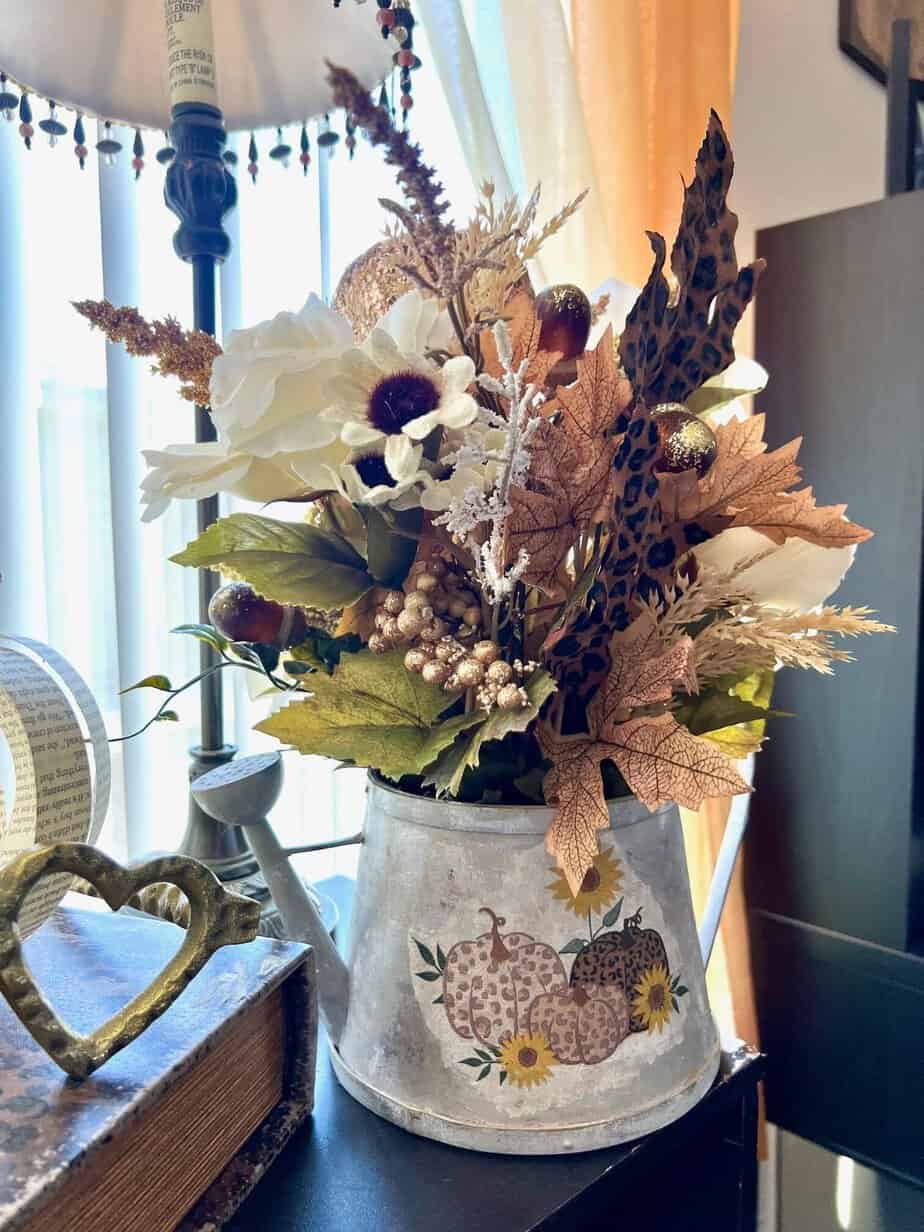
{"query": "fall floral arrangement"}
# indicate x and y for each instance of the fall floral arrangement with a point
(521, 569)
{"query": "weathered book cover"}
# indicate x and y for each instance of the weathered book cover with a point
(252, 1008)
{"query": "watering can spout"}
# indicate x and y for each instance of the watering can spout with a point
(241, 793)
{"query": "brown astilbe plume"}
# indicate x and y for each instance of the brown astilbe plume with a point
(185, 354)
(432, 237)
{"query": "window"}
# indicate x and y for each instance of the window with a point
(80, 570)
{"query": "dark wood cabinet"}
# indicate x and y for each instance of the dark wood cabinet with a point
(835, 853)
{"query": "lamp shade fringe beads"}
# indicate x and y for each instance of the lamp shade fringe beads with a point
(395, 20)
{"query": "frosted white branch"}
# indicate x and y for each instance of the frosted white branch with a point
(476, 507)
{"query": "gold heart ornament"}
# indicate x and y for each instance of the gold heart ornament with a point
(217, 918)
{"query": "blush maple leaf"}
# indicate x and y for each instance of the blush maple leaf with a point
(588, 408)
(572, 482)
(662, 761)
(796, 514)
(542, 525)
(525, 328)
(575, 786)
(643, 672)
(747, 486)
(742, 471)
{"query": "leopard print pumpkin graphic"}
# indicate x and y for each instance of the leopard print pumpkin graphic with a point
(510, 995)
(621, 958)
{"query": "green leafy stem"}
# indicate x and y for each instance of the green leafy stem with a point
(319, 651)
(677, 990)
(610, 920)
(483, 1060)
(436, 965)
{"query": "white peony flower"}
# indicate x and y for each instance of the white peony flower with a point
(795, 576)
(269, 387)
(388, 387)
(191, 472)
(268, 390)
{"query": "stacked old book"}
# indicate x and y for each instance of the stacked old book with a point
(175, 1130)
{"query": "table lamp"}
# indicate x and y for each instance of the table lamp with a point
(196, 68)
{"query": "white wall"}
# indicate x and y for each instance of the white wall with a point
(808, 125)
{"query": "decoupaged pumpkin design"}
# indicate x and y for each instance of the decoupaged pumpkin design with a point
(490, 982)
(510, 996)
(584, 1024)
(622, 959)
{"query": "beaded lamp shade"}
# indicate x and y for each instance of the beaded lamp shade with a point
(110, 59)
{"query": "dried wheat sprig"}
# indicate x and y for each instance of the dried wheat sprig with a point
(552, 227)
(753, 636)
(185, 354)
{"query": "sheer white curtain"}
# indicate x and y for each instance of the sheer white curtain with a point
(79, 569)
(507, 66)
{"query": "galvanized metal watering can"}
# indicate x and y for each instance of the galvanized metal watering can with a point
(485, 1005)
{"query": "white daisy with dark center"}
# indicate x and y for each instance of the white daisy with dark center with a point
(389, 394)
(368, 478)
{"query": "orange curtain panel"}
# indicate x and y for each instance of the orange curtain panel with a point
(648, 72)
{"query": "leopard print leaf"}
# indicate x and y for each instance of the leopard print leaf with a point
(671, 344)
(581, 659)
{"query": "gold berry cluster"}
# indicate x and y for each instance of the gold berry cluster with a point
(437, 603)
(439, 621)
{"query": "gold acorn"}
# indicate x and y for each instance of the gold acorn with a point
(687, 442)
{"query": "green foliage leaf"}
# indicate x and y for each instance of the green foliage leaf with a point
(732, 714)
(290, 562)
(611, 917)
(391, 548)
(322, 651)
(676, 1005)
(204, 633)
(485, 1056)
(440, 958)
(438, 1000)
(260, 654)
(167, 716)
(446, 774)
(149, 682)
(429, 976)
(425, 952)
(574, 946)
(713, 395)
(530, 784)
(473, 1061)
(292, 667)
(681, 990)
(503, 1077)
(484, 1073)
(372, 712)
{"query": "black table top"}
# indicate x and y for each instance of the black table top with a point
(347, 1169)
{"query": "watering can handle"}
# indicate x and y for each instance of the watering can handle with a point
(722, 875)
(325, 846)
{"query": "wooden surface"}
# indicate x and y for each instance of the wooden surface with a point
(348, 1169)
(834, 852)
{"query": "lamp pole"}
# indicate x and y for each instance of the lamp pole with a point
(200, 190)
